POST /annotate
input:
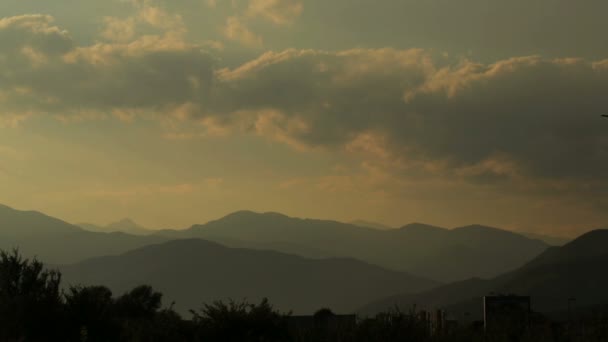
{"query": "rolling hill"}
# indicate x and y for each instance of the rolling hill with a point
(548, 239)
(431, 252)
(193, 271)
(56, 242)
(576, 270)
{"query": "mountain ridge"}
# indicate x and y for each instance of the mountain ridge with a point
(125, 225)
(194, 271)
(55, 241)
(573, 270)
(411, 248)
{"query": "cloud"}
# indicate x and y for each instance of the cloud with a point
(542, 115)
(147, 19)
(276, 126)
(211, 3)
(236, 29)
(153, 73)
(237, 26)
(278, 12)
(33, 36)
(12, 120)
(160, 18)
(11, 152)
(119, 30)
(518, 117)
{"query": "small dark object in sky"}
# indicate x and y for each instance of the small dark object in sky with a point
(606, 116)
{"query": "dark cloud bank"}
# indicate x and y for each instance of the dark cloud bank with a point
(522, 117)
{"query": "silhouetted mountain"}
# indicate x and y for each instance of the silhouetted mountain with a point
(577, 270)
(56, 241)
(124, 226)
(424, 250)
(548, 239)
(369, 224)
(287, 247)
(194, 271)
(16, 223)
(469, 248)
(91, 227)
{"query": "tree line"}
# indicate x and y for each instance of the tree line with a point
(34, 307)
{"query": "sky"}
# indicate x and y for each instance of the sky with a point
(176, 112)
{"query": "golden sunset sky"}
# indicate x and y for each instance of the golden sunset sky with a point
(175, 112)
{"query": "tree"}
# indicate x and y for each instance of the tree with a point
(241, 322)
(141, 302)
(136, 311)
(90, 313)
(93, 315)
(30, 300)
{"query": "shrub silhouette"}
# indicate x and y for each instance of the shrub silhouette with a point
(241, 322)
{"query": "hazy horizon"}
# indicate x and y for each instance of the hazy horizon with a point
(118, 224)
(174, 113)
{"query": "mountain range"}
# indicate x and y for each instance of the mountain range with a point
(303, 264)
(123, 226)
(57, 242)
(428, 251)
(576, 270)
(370, 224)
(548, 239)
(193, 271)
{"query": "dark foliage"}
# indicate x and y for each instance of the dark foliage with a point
(90, 313)
(241, 322)
(30, 300)
(393, 326)
(33, 308)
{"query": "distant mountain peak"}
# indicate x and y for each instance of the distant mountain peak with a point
(551, 240)
(125, 225)
(592, 243)
(126, 222)
(476, 226)
(249, 214)
(370, 224)
(587, 246)
(6, 208)
(274, 213)
(241, 214)
(594, 235)
(480, 229)
(416, 226)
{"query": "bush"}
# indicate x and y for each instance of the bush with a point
(240, 322)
